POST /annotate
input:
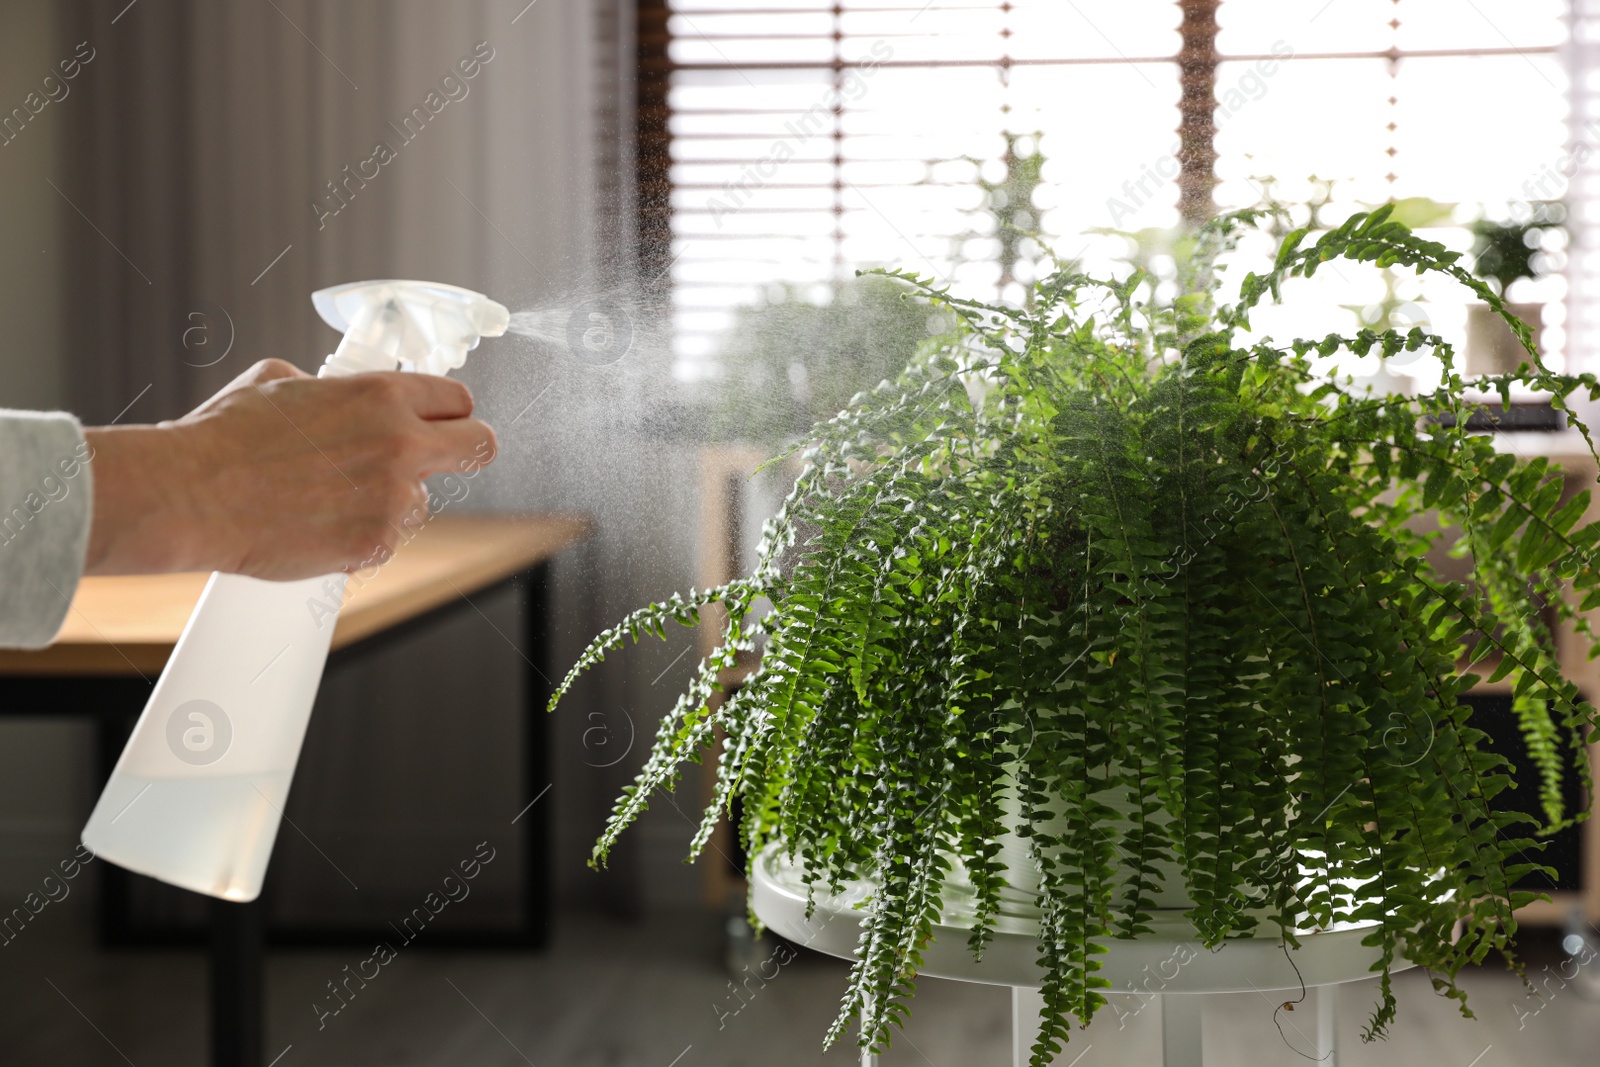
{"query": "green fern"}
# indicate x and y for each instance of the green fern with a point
(1156, 575)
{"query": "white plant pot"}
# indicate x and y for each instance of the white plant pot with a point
(1491, 346)
(1019, 900)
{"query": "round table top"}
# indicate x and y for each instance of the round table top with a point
(1169, 959)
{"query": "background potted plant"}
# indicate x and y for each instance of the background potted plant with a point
(1504, 253)
(789, 362)
(1110, 601)
(1005, 219)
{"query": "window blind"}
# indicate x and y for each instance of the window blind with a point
(807, 139)
(1577, 173)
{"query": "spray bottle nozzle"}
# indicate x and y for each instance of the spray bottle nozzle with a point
(422, 326)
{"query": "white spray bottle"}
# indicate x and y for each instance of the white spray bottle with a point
(198, 794)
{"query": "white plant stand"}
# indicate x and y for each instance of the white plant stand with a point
(1169, 964)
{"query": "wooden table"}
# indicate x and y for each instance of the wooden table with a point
(120, 631)
(128, 625)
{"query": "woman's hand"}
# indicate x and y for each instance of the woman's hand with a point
(280, 475)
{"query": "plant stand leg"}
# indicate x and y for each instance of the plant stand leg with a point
(1327, 1016)
(1025, 1007)
(868, 1057)
(1181, 1030)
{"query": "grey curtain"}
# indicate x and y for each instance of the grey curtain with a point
(203, 132)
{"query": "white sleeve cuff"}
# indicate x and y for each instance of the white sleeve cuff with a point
(46, 503)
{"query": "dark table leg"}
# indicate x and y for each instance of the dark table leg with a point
(536, 821)
(236, 959)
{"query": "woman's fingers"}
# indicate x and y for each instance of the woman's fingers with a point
(461, 445)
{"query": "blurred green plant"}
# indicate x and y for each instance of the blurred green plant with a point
(1008, 204)
(789, 362)
(1505, 252)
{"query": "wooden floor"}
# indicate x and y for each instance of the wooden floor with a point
(655, 995)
